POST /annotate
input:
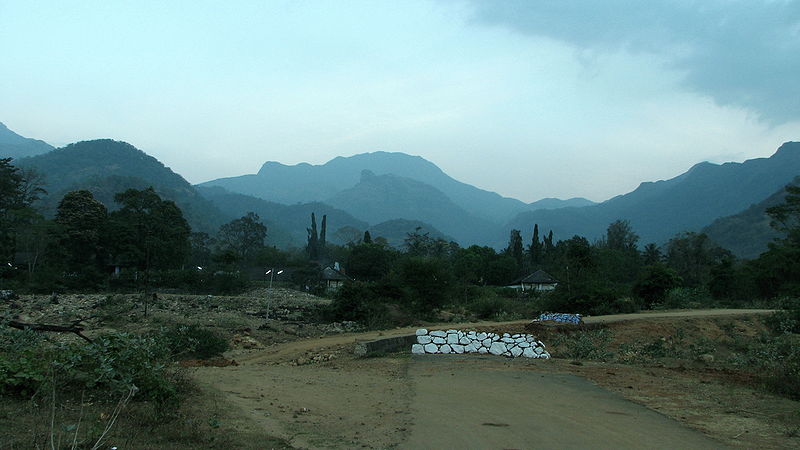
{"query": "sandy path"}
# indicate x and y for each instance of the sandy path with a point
(438, 402)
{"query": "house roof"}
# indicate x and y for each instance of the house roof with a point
(538, 277)
(331, 274)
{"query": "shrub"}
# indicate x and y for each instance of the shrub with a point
(787, 320)
(589, 344)
(23, 362)
(194, 341)
(777, 360)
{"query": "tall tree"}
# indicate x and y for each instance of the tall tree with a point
(147, 231)
(620, 236)
(82, 220)
(535, 250)
(651, 254)
(367, 237)
(322, 245)
(514, 248)
(244, 235)
(312, 247)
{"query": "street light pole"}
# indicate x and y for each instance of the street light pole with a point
(271, 273)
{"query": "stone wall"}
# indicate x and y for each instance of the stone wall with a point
(456, 341)
(561, 318)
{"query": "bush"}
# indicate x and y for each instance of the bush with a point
(194, 341)
(777, 360)
(682, 298)
(111, 365)
(360, 302)
(589, 344)
(787, 320)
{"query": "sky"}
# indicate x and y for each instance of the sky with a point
(530, 99)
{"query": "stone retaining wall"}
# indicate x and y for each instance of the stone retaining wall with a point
(561, 318)
(456, 341)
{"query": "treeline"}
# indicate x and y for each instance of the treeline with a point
(145, 243)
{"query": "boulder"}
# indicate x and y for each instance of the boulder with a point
(417, 349)
(480, 336)
(445, 349)
(497, 348)
(515, 351)
(483, 350)
(464, 340)
(431, 348)
(471, 348)
(422, 332)
(439, 340)
(539, 350)
(508, 340)
(424, 339)
(529, 353)
(452, 338)
(457, 348)
(487, 342)
(438, 333)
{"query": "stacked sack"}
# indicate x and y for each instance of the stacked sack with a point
(561, 318)
(455, 341)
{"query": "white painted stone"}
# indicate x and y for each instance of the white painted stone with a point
(439, 340)
(507, 353)
(497, 348)
(495, 338)
(516, 351)
(515, 335)
(487, 342)
(528, 353)
(431, 348)
(457, 348)
(519, 340)
(545, 355)
(438, 333)
(422, 332)
(480, 336)
(471, 348)
(424, 339)
(417, 349)
(539, 350)
(452, 338)
(445, 349)
(483, 350)
(506, 335)
(524, 345)
(452, 331)
(508, 340)
(471, 334)
(463, 340)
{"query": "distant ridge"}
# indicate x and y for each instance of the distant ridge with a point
(15, 146)
(688, 202)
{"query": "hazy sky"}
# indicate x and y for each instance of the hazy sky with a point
(527, 98)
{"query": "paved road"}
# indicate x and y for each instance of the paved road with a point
(460, 404)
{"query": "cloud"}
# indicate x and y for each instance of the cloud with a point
(740, 53)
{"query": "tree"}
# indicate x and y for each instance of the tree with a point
(244, 235)
(83, 220)
(148, 232)
(651, 254)
(692, 256)
(370, 262)
(620, 236)
(655, 282)
(514, 248)
(786, 216)
(18, 190)
(367, 237)
(312, 246)
(535, 250)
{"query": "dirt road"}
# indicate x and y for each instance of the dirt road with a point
(436, 402)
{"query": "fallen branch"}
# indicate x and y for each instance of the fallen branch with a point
(74, 328)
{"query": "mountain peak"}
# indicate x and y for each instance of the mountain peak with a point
(16, 146)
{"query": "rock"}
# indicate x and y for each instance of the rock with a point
(480, 336)
(457, 348)
(539, 350)
(545, 355)
(417, 349)
(452, 338)
(422, 332)
(519, 340)
(515, 336)
(497, 348)
(483, 350)
(464, 340)
(528, 353)
(445, 349)
(515, 351)
(505, 335)
(424, 339)
(508, 340)
(439, 340)
(487, 342)
(431, 348)
(524, 344)
(452, 331)
(471, 348)
(438, 333)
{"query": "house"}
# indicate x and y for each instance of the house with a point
(333, 278)
(539, 281)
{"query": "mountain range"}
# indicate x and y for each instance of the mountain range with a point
(395, 193)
